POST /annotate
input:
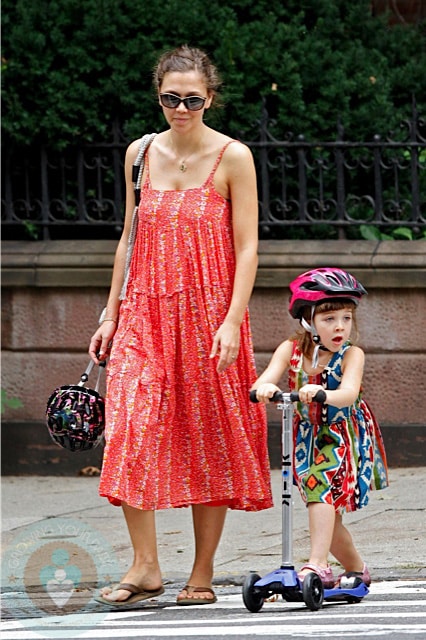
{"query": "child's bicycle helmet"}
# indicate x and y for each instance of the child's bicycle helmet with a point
(75, 415)
(316, 286)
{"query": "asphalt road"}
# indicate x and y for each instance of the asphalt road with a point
(393, 610)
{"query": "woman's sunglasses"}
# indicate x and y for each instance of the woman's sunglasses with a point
(192, 103)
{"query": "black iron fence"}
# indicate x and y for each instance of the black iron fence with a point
(306, 188)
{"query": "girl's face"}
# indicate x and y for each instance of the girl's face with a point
(334, 327)
(183, 85)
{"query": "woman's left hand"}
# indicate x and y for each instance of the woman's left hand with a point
(226, 345)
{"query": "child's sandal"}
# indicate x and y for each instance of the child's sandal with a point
(325, 575)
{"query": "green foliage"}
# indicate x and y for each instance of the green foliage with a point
(9, 402)
(31, 229)
(370, 232)
(71, 68)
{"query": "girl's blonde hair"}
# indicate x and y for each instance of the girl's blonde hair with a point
(304, 338)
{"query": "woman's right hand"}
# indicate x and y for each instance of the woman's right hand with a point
(100, 344)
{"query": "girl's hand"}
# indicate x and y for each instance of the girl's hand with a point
(308, 391)
(226, 344)
(265, 391)
(100, 344)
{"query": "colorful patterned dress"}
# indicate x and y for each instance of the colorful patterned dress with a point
(178, 432)
(339, 452)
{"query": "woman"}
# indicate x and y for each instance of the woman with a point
(180, 430)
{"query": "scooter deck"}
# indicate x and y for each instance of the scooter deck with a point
(356, 594)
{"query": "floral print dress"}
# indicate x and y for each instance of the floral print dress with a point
(177, 431)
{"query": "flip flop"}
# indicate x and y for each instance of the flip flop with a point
(190, 601)
(136, 594)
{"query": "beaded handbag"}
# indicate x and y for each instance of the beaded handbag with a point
(75, 414)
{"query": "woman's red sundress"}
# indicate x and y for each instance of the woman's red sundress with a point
(178, 432)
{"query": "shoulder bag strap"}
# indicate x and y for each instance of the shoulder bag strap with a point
(137, 171)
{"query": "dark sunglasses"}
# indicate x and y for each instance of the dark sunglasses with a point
(192, 103)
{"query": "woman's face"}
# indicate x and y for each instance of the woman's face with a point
(334, 327)
(183, 85)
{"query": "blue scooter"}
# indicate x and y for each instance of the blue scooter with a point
(284, 581)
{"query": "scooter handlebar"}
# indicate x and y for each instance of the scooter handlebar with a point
(320, 396)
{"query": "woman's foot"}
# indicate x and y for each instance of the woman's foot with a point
(196, 595)
(144, 582)
(133, 594)
(198, 589)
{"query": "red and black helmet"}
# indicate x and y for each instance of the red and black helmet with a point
(326, 283)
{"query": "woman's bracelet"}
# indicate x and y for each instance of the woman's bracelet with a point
(103, 319)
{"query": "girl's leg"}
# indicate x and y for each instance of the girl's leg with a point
(343, 548)
(321, 527)
(145, 570)
(208, 525)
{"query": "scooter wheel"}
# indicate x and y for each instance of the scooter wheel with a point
(313, 591)
(252, 600)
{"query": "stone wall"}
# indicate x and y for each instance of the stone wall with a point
(53, 292)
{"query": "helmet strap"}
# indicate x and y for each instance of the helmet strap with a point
(315, 337)
(306, 325)
(311, 327)
(315, 356)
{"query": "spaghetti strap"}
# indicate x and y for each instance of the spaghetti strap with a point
(146, 184)
(217, 161)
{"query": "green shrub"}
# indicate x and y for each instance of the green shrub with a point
(71, 68)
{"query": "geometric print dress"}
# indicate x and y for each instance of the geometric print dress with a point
(177, 431)
(339, 454)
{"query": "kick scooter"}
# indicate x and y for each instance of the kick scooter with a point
(285, 581)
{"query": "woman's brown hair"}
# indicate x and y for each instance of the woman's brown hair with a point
(186, 58)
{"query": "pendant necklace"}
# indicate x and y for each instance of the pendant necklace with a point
(182, 164)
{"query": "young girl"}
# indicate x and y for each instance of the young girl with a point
(338, 448)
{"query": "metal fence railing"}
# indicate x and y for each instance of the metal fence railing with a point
(304, 186)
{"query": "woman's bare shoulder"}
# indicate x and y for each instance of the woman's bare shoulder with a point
(234, 151)
(237, 150)
(132, 150)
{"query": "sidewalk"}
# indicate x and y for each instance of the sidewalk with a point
(389, 532)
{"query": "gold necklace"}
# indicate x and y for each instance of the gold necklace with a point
(182, 164)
